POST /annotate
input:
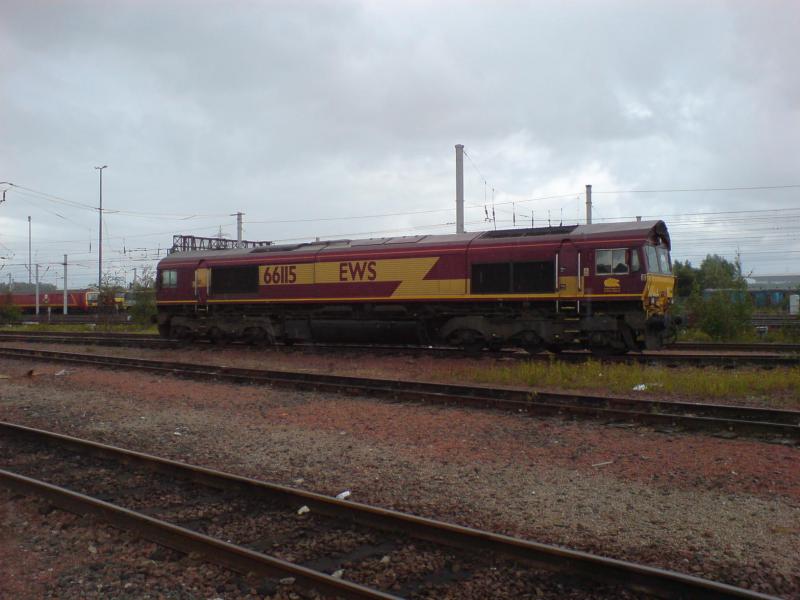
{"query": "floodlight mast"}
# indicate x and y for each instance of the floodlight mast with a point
(100, 241)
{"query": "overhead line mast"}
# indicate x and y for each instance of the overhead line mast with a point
(459, 188)
(100, 241)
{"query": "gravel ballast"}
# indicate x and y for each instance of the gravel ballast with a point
(723, 509)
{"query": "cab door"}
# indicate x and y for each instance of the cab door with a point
(202, 280)
(570, 275)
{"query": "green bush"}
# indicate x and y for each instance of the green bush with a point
(144, 305)
(722, 315)
(10, 313)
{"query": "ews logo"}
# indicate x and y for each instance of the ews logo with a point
(358, 271)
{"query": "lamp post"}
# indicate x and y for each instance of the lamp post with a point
(100, 242)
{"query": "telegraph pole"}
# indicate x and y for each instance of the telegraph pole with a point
(65, 284)
(100, 244)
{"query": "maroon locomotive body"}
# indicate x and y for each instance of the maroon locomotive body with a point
(607, 287)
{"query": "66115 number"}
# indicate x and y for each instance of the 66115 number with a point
(280, 274)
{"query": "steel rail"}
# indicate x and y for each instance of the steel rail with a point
(736, 347)
(659, 582)
(78, 334)
(668, 357)
(231, 556)
(769, 347)
(784, 424)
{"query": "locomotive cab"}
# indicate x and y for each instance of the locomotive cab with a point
(657, 294)
(659, 280)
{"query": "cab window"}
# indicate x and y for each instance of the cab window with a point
(663, 260)
(652, 259)
(635, 266)
(611, 261)
(169, 278)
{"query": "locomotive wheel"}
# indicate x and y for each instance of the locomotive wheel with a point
(530, 342)
(218, 337)
(554, 348)
(256, 336)
(251, 335)
(182, 333)
(534, 348)
(164, 330)
(607, 351)
(468, 340)
(607, 344)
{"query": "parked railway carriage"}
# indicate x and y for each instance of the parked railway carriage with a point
(607, 287)
(78, 301)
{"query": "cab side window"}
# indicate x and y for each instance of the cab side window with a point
(619, 260)
(169, 279)
(602, 262)
(635, 266)
(611, 261)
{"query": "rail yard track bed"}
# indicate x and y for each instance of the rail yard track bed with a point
(723, 509)
(728, 356)
(403, 555)
(777, 388)
(49, 553)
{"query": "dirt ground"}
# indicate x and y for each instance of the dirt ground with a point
(724, 509)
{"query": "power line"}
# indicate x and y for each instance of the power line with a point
(178, 216)
(719, 189)
(54, 198)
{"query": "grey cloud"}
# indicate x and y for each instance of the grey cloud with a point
(302, 110)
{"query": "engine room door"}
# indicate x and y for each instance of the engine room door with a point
(570, 276)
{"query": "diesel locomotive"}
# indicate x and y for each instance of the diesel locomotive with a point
(606, 287)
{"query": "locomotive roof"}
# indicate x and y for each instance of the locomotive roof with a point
(646, 230)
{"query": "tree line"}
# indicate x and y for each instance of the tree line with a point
(713, 297)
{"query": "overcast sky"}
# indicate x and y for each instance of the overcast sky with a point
(313, 117)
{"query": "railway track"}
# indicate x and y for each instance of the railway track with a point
(74, 318)
(334, 547)
(776, 425)
(737, 347)
(771, 355)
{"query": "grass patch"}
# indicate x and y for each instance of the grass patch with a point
(780, 386)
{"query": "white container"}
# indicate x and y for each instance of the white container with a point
(794, 304)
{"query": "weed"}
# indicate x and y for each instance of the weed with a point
(741, 383)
